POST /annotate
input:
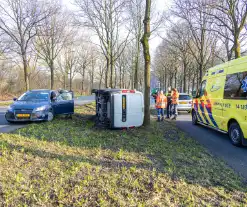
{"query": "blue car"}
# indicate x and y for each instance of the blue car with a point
(40, 105)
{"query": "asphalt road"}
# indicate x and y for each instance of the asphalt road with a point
(84, 100)
(5, 127)
(218, 144)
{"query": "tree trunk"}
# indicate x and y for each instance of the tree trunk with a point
(189, 82)
(115, 78)
(165, 80)
(64, 83)
(92, 74)
(176, 78)
(25, 67)
(70, 80)
(101, 77)
(137, 64)
(100, 82)
(197, 79)
(112, 71)
(237, 48)
(185, 70)
(147, 58)
(52, 74)
(120, 76)
(133, 74)
(193, 84)
(200, 73)
(107, 71)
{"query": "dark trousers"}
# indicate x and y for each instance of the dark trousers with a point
(160, 113)
(175, 110)
(168, 110)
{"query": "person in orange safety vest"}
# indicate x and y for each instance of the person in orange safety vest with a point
(161, 102)
(175, 98)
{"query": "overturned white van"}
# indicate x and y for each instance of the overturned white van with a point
(119, 108)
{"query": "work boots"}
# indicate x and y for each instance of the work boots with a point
(174, 118)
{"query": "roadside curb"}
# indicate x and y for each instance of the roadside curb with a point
(9, 129)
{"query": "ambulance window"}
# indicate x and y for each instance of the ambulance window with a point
(203, 87)
(236, 86)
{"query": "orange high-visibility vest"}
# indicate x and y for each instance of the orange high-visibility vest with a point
(161, 102)
(175, 97)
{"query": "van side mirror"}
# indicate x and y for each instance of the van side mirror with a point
(14, 99)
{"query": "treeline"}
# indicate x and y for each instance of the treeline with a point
(199, 34)
(79, 46)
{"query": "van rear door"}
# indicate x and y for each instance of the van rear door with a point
(128, 110)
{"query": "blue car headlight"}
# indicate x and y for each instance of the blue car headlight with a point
(10, 109)
(41, 108)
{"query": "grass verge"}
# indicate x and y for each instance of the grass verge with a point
(72, 163)
(5, 103)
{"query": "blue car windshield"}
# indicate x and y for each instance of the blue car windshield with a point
(34, 96)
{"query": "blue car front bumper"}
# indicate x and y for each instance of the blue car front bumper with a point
(38, 116)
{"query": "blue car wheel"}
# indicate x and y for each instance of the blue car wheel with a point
(50, 116)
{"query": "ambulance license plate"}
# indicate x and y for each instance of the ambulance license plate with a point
(183, 102)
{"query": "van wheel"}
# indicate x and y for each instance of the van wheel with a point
(194, 118)
(235, 133)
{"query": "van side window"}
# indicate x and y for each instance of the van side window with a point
(202, 89)
(236, 86)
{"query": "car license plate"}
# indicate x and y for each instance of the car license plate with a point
(23, 115)
(183, 103)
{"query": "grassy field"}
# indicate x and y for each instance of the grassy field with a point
(72, 163)
(5, 103)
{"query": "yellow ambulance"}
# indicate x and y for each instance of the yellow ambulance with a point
(221, 102)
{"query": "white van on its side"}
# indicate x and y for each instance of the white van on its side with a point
(119, 108)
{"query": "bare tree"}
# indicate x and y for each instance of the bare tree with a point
(101, 72)
(136, 12)
(105, 19)
(62, 70)
(71, 63)
(198, 22)
(179, 39)
(84, 61)
(230, 15)
(18, 20)
(51, 39)
(92, 69)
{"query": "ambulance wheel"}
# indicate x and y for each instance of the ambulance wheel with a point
(194, 118)
(235, 134)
